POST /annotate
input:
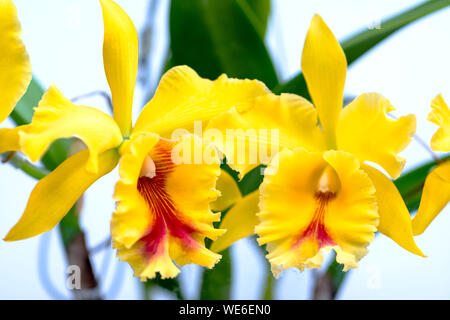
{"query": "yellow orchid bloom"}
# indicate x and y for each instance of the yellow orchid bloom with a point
(436, 190)
(320, 191)
(162, 211)
(15, 69)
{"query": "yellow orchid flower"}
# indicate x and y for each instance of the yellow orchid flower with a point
(162, 211)
(15, 69)
(436, 190)
(320, 191)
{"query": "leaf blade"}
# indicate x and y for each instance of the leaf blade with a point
(215, 37)
(360, 43)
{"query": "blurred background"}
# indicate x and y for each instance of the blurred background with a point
(64, 40)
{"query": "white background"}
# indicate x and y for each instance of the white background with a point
(64, 40)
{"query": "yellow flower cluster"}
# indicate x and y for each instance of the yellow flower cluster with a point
(320, 190)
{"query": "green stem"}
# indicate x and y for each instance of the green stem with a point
(30, 169)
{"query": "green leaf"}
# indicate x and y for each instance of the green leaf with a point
(23, 112)
(56, 153)
(258, 11)
(216, 283)
(363, 41)
(337, 275)
(215, 37)
(267, 292)
(411, 184)
(171, 285)
(251, 181)
(270, 281)
(69, 227)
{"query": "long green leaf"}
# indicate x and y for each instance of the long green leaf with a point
(171, 285)
(357, 45)
(216, 283)
(225, 36)
(23, 112)
(258, 12)
(411, 184)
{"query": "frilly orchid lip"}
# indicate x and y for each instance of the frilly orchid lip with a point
(160, 224)
(330, 204)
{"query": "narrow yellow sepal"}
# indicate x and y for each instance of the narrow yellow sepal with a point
(229, 192)
(15, 64)
(324, 66)
(120, 59)
(395, 221)
(240, 222)
(55, 194)
(435, 196)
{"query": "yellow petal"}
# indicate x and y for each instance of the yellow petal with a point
(435, 196)
(365, 130)
(240, 222)
(183, 97)
(440, 115)
(56, 117)
(315, 202)
(324, 66)
(15, 65)
(120, 59)
(229, 192)
(55, 194)
(395, 221)
(163, 213)
(254, 136)
(10, 138)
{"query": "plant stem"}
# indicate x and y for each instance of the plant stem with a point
(30, 169)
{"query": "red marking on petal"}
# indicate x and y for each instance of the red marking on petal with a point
(316, 228)
(167, 220)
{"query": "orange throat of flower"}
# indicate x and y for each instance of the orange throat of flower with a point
(167, 221)
(326, 191)
(316, 230)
